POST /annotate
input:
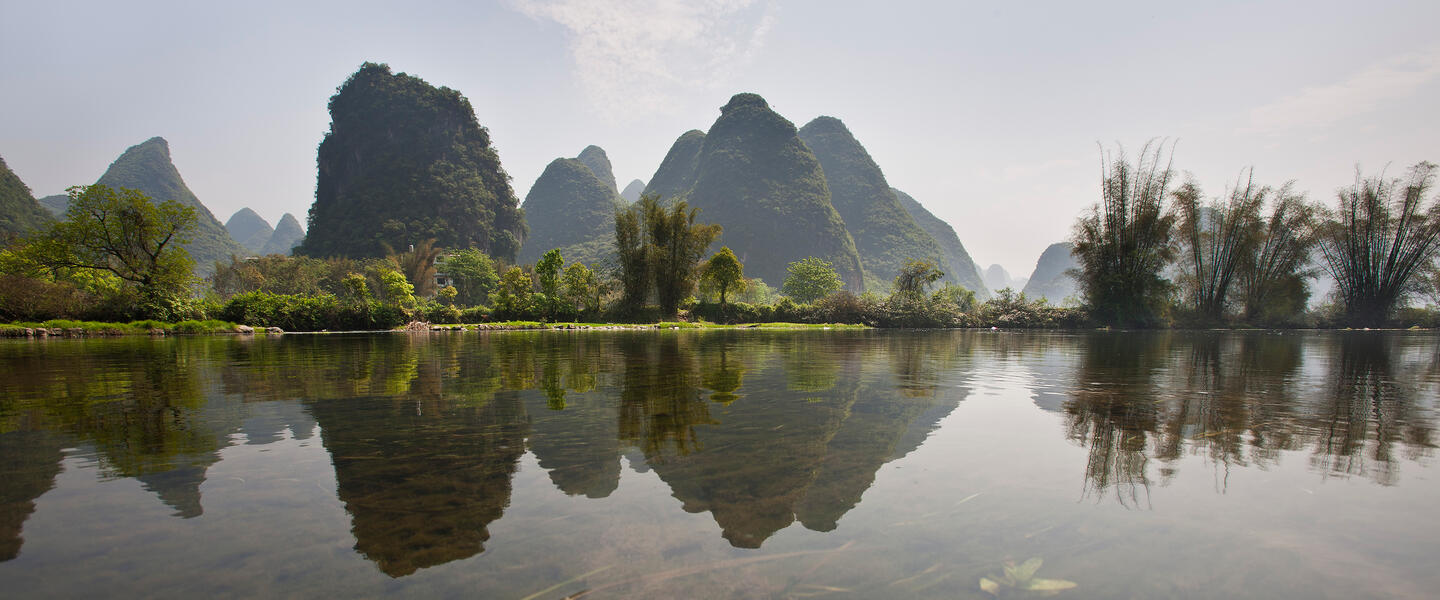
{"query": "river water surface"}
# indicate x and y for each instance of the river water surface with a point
(736, 463)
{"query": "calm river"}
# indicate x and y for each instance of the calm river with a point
(726, 464)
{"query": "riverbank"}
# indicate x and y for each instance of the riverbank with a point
(75, 329)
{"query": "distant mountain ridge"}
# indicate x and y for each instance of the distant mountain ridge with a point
(632, 192)
(250, 229)
(959, 267)
(1050, 279)
(287, 235)
(752, 175)
(147, 167)
(572, 209)
(598, 162)
(19, 212)
(885, 234)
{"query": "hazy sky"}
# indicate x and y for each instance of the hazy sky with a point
(987, 113)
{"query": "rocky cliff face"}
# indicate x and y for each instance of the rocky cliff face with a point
(147, 167)
(405, 161)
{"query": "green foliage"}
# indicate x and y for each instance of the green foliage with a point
(915, 277)
(1006, 309)
(755, 177)
(547, 272)
(1379, 238)
(514, 295)
(885, 234)
(396, 290)
(582, 288)
(473, 273)
(123, 234)
(811, 279)
(723, 272)
(147, 168)
(418, 265)
(1124, 243)
(280, 274)
(660, 244)
(446, 295)
(405, 161)
(309, 313)
(19, 212)
(1273, 286)
(571, 209)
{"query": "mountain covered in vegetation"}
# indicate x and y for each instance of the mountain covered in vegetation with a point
(56, 204)
(572, 209)
(1050, 281)
(250, 229)
(757, 179)
(958, 266)
(19, 212)
(147, 167)
(677, 171)
(885, 234)
(595, 158)
(405, 161)
(998, 279)
(632, 192)
(287, 234)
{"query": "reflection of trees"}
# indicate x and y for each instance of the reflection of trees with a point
(578, 441)
(1113, 412)
(1369, 411)
(1240, 399)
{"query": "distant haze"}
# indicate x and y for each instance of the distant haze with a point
(988, 113)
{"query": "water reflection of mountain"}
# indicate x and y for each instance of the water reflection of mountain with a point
(29, 462)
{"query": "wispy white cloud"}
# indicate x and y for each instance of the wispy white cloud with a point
(633, 56)
(1322, 106)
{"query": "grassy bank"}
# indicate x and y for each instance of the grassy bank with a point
(68, 328)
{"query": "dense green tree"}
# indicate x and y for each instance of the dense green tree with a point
(122, 233)
(1124, 243)
(582, 287)
(915, 277)
(405, 161)
(446, 295)
(811, 279)
(631, 249)
(547, 272)
(677, 244)
(473, 273)
(1218, 238)
(723, 272)
(513, 295)
(396, 288)
(1379, 238)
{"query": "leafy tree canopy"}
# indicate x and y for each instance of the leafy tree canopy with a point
(811, 279)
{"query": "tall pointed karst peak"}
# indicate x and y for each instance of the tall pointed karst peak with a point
(1051, 278)
(633, 190)
(250, 229)
(959, 266)
(677, 171)
(147, 167)
(764, 186)
(594, 157)
(885, 234)
(572, 210)
(406, 161)
(287, 234)
(20, 213)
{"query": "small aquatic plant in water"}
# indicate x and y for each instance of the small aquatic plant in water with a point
(1022, 578)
